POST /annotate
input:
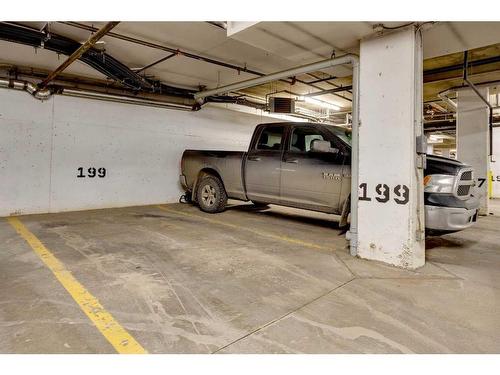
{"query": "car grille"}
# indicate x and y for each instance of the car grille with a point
(465, 183)
(463, 190)
(466, 176)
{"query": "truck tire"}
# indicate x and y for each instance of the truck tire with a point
(211, 195)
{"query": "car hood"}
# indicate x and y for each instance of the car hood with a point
(442, 165)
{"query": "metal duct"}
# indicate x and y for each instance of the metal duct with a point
(31, 88)
(124, 99)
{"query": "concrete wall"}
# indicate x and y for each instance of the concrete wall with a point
(42, 144)
(495, 166)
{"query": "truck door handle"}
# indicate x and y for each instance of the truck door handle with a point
(254, 158)
(293, 161)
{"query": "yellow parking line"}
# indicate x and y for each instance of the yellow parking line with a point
(490, 184)
(258, 232)
(117, 336)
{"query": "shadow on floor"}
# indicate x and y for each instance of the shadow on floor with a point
(287, 216)
(446, 242)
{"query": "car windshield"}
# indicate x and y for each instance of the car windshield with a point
(344, 134)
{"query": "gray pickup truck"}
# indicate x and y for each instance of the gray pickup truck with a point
(308, 166)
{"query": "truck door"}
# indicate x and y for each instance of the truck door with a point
(262, 169)
(309, 179)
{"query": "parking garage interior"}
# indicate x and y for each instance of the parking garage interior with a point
(105, 250)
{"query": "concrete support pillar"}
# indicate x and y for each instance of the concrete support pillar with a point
(495, 166)
(473, 139)
(391, 218)
(446, 152)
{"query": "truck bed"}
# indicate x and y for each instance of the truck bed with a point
(227, 164)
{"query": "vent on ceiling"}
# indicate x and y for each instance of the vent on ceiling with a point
(281, 105)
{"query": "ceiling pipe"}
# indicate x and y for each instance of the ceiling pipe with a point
(154, 63)
(45, 94)
(444, 97)
(172, 103)
(117, 95)
(124, 99)
(330, 91)
(471, 85)
(78, 53)
(61, 82)
(96, 59)
(29, 87)
(351, 59)
(326, 79)
(438, 107)
(439, 129)
(455, 67)
(346, 59)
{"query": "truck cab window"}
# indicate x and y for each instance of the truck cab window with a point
(302, 139)
(270, 138)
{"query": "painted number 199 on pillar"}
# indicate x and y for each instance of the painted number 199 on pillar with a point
(401, 193)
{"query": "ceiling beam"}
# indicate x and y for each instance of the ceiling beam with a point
(488, 60)
(331, 91)
(445, 73)
(78, 53)
(318, 80)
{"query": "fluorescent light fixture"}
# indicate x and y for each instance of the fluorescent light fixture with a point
(99, 42)
(433, 139)
(319, 103)
(286, 117)
(441, 136)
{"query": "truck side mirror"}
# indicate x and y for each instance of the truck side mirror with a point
(319, 145)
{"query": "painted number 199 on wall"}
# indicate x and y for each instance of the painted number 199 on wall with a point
(91, 172)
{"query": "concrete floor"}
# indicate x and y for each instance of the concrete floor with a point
(245, 281)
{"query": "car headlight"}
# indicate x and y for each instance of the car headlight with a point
(439, 183)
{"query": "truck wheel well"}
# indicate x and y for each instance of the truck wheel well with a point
(206, 172)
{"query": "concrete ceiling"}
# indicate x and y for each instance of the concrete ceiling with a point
(264, 46)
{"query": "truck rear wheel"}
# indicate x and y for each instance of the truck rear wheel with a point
(211, 195)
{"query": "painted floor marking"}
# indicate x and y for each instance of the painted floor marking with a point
(117, 336)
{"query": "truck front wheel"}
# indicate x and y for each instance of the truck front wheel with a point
(211, 195)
